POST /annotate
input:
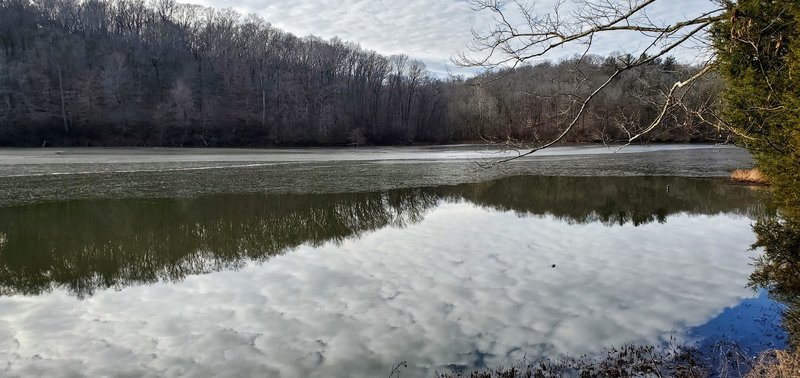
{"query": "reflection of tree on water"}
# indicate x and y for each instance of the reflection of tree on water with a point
(87, 245)
(778, 269)
(84, 246)
(612, 200)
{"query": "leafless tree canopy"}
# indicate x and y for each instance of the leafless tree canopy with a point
(127, 72)
(524, 33)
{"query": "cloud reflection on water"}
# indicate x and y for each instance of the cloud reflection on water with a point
(464, 286)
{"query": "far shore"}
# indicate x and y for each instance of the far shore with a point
(464, 144)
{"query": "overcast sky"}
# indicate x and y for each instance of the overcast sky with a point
(430, 30)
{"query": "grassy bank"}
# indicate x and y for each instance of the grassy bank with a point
(723, 360)
(749, 176)
(777, 364)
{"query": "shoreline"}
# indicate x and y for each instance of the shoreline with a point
(350, 146)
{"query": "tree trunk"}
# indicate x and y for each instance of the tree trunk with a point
(63, 103)
(263, 105)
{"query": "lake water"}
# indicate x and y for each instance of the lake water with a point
(339, 263)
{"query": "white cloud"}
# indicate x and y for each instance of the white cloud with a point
(462, 283)
(432, 31)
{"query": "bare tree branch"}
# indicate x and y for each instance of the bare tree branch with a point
(517, 38)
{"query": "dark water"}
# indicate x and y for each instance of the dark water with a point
(351, 284)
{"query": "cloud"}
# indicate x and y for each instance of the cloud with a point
(466, 286)
(432, 31)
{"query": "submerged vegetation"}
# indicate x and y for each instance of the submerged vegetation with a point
(625, 361)
(723, 360)
(777, 364)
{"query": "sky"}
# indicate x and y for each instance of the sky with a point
(430, 30)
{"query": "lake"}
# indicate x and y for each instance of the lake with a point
(346, 262)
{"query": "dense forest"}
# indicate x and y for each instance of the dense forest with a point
(130, 73)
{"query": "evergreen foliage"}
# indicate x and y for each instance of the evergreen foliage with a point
(758, 49)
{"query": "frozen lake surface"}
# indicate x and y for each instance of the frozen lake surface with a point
(187, 155)
(31, 175)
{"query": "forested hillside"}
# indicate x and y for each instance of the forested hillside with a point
(126, 72)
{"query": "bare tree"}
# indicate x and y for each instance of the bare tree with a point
(522, 34)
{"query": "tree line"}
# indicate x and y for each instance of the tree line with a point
(130, 73)
(535, 103)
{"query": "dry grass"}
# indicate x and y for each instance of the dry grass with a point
(749, 176)
(725, 359)
(777, 364)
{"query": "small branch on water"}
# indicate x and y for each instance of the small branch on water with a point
(396, 369)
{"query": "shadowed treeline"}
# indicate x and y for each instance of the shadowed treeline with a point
(612, 200)
(86, 245)
(90, 245)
